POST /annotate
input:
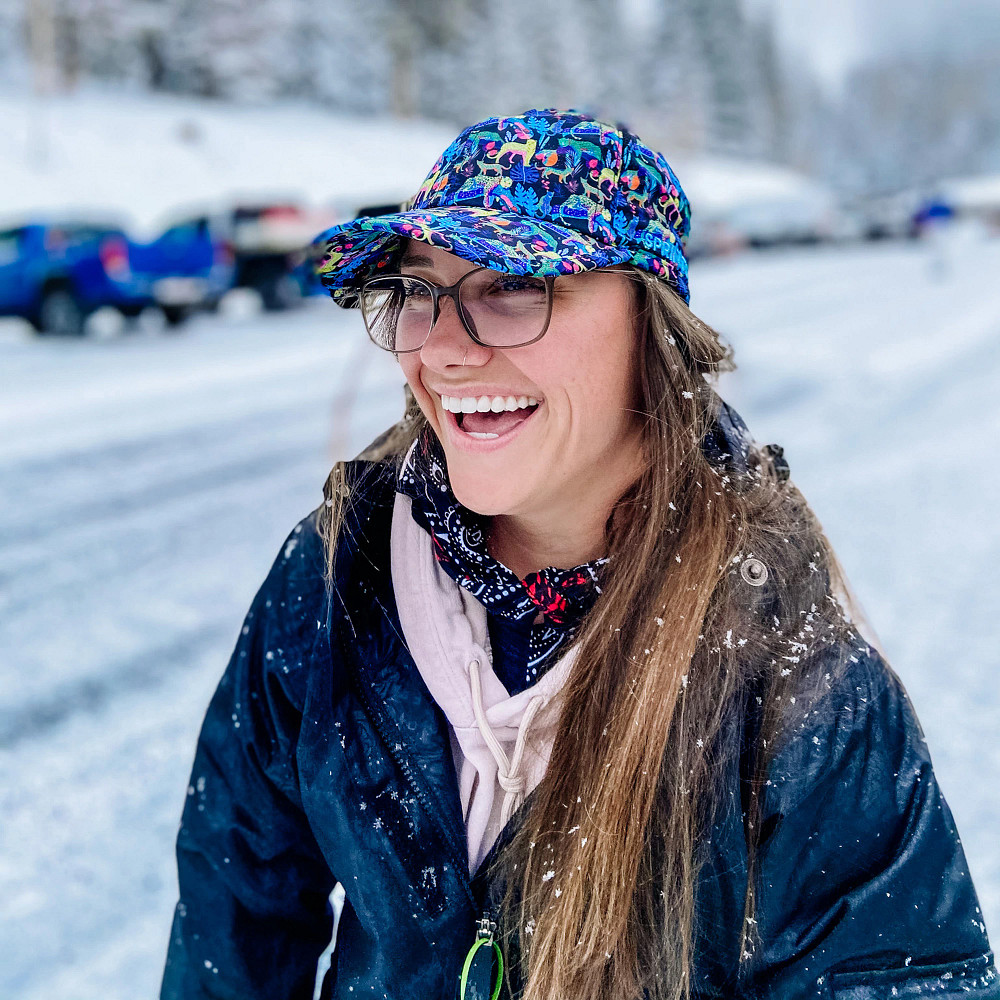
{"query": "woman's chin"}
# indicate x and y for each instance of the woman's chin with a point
(487, 496)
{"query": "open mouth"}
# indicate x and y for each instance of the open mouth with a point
(488, 418)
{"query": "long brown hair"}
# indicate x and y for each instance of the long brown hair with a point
(601, 875)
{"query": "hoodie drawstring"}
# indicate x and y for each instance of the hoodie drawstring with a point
(508, 769)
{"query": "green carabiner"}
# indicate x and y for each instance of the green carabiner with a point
(484, 938)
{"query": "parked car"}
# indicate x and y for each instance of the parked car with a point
(190, 267)
(385, 208)
(263, 246)
(889, 216)
(55, 274)
(737, 204)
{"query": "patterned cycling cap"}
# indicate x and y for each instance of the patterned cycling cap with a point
(545, 192)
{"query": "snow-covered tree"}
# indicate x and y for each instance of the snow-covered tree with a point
(689, 75)
(913, 120)
(724, 57)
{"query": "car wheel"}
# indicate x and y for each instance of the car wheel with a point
(60, 315)
(175, 315)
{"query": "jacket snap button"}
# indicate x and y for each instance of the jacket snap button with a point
(753, 572)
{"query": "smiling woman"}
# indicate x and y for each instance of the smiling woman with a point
(559, 682)
(532, 467)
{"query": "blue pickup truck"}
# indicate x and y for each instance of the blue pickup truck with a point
(56, 274)
(189, 266)
(265, 244)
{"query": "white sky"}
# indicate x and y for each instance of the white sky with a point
(833, 36)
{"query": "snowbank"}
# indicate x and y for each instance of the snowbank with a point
(748, 202)
(143, 157)
(974, 195)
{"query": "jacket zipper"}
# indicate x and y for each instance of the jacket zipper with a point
(485, 937)
(485, 926)
(404, 765)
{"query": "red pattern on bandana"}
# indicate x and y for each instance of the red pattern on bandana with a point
(553, 592)
(459, 537)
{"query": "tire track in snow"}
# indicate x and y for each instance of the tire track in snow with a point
(139, 519)
(93, 693)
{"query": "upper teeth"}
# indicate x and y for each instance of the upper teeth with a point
(483, 404)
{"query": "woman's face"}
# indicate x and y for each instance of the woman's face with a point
(581, 444)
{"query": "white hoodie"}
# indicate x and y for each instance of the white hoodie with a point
(446, 633)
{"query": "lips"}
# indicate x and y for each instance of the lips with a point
(486, 415)
(493, 423)
(482, 432)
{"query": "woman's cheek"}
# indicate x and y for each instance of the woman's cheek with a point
(411, 372)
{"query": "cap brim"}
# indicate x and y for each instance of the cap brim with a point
(351, 253)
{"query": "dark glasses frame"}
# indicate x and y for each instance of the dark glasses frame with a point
(454, 292)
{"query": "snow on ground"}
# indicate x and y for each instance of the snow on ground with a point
(148, 481)
(147, 485)
(145, 156)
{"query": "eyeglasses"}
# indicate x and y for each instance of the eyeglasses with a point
(496, 309)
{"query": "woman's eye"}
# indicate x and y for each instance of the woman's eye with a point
(415, 290)
(514, 284)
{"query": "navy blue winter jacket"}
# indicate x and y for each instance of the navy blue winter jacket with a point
(323, 758)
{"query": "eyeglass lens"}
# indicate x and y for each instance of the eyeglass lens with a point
(500, 310)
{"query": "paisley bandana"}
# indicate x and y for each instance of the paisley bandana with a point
(459, 536)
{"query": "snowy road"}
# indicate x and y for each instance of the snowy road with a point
(146, 483)
(135, 472)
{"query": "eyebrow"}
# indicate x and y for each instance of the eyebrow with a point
(416, 260)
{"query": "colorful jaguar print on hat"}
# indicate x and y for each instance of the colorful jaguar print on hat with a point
(546, 192)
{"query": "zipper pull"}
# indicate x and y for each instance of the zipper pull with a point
(478, 981)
